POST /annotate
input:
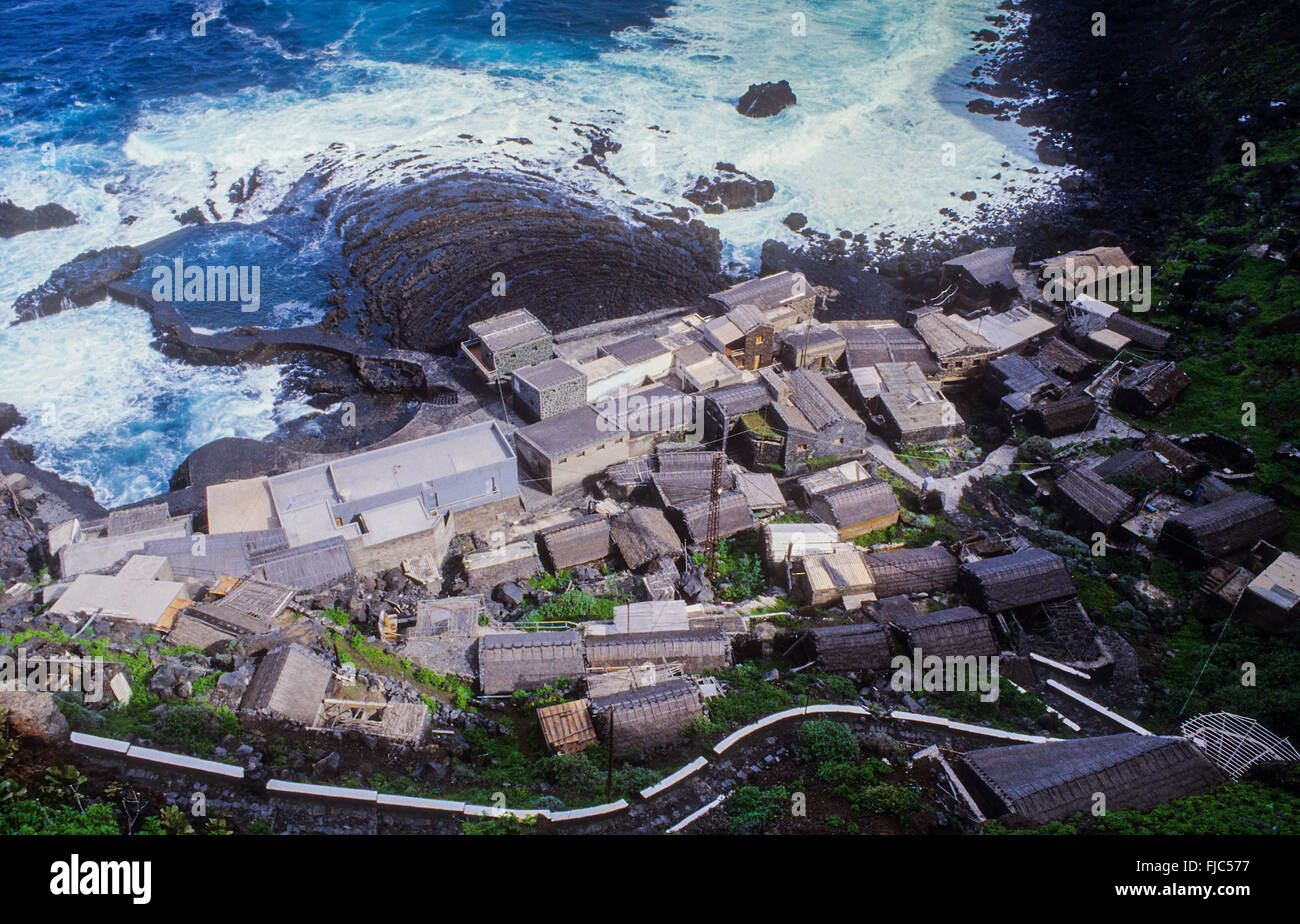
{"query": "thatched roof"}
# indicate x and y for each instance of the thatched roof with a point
(577, 542)
(675, 488)
(910, 571)
(647, 717)
(307, 567)
(767, 292)
(643, 534)
(1133, 466)
(1141, 333)
(760, 489)
(871, 345)
(856, 503)
(687, 460)
(741, 398)
(1086, 497)
(1151, 387)
(1061, 358)
(225, 554)
(511, 329)
(828, 576)
(1223, 526)
(863, 647)
(986, 268)
(447, 616)
(949, 340)
(696, 649)
(960, 631)
(1022, 578)
(734, 516)
(1067, 415)
(291, 683)
(652, 616)
(816, 400)
(1185, 463)
(1053, 780)
(527, 660)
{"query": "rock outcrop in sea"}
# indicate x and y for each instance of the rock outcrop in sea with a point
(16, 220)
(766, 99)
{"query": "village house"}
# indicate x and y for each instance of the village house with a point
(858, 508)
(784, 298)
(643, 536)
(651, 415)
(577, 542)
(607, 376)
(743, 336)
(99, 545)
(1057, 357)
(243, 506)
(1225, 526)
(1018, 383)
(761, 490)
(643, 718)
(868, 343)
(1095, 272)
(1066, 415)
(1054, 780)
(1088, 500)
(811, 345)
(498, 346)
(387, 504)
(784, 542)
(807, 419)
(563, 450)
(906, 407)
(961, 353)
(847, 649)
(1086, 316)
(1185, 464)
(696, 650)
(733, 409)
(1021, 579)
(1009, 331)
(514, 561)
(959, 632)
(142, 591)
(528, 660)
(1272, 598)
(290, 683)
(549, 388)
(837, 575)
(1149, 389)
(979, 280)
(697, 366)
(1136, 471)
(641, 353)
(734, 516)
(911, 571)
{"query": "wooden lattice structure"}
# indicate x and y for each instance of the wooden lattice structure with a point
(567, 727)
(1235, 743)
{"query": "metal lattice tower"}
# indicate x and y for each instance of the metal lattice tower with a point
(715, 513)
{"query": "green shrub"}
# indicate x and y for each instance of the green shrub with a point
(823, 740)
(751, 810)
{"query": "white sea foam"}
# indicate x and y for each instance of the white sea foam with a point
(105, 409)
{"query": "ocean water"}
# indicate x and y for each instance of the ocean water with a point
(114, 109)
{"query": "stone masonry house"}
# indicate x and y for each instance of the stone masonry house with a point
(500, 345)
(528, 660)
(549, 388)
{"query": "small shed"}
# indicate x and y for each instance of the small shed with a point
(861, 647)
(1186, 464)
(696, 650)
(761, 490)
(566, 727)
(1223, 527)
(514, 561)
(783, 542)
(290, 683)
(1138, 470)
(1068, 415)
(549, 388)
(647, 717)
(1025, 578)
(812, 345)
(912, 571)
(577, 542)
(829, 577)
(1150, 389)
(643, 535)
(527, 660)
(734, 516)
(1053, 780)
(858, 508)
(1086, 498)
(958, 632)
(1273, 596)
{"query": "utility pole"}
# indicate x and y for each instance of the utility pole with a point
(609, 773)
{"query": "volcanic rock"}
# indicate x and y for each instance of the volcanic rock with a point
(766, 99)
(81, 281)
(16, 220)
